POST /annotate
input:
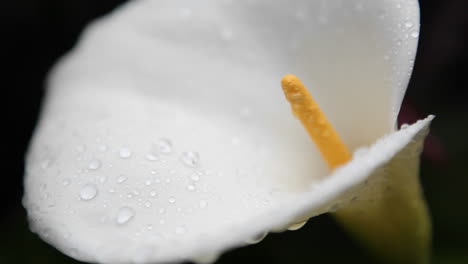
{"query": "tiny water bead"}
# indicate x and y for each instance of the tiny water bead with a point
(164, 146)
(124, 215)
(121, 179)
(66, 182)
(195, 177)
(88, 192)
(102, 179)
(151, 157)
(256, 239)
(190, 159)
(203, 204)
(297, 226)
(409, 24)
(172, 200)
(94, 164)
(415, 34)
(125, 153)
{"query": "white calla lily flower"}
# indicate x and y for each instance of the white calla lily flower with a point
(165, 135)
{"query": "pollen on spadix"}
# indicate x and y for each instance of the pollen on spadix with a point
(320, 130)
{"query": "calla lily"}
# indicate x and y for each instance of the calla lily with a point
(165, 135)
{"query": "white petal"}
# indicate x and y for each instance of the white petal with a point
(179, 224)
(166, 126)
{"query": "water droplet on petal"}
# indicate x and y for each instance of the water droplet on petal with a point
(203, 204)
(103, 179)
(125, 153)
(415, 34)
(121, 179)
(151, 157)
(206, 259)
(148, 204)
(46, 164)
(195, 177)
(297, 226)
(153, 193)
(172, 200)
(164, 146)
(191, 187)
(256, 239)
(148, 182)
(190, 159)
(409, 24)
(66, 182)
(124, 215)
(94, 164)
(88, 192)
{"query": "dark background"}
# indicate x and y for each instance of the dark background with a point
(34, 33)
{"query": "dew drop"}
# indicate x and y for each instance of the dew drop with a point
(256, 239)
(94, 164)
(88, 192)
(151, 157)
(153, 193)
(148, 182)
(203, 204)
(124, 215)
(148, 204)
(297, 226)
(103, 179)
(164, 146)
(191, 187)
(190, 159)
(66, 182)
(125, 153)
(172, 200)
(121, 179)
(409, 24)
(206, 259)
(415, 34)
(195, 177)
(149, 227)
(46, 164)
